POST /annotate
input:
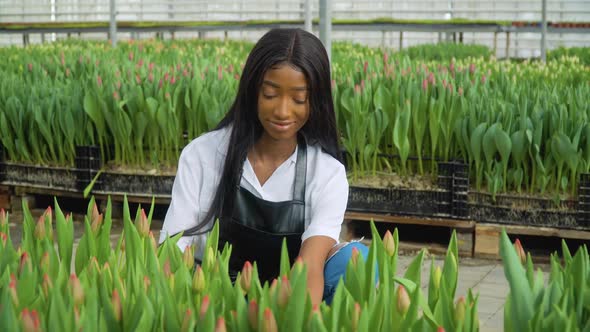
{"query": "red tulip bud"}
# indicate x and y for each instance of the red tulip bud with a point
(365, 67)
(253, 314)
(246, 276)
(403, 300)
(220, 326)
(425, 85)
(3, 218)
(40, 228)
(204, 307)
(460, 91)
(131, 56)
(472, 68)
(3, 239)
(77, 290)
(389, 243)
(172, 80)
(284, 292)
(99, 81)
(199, 281)
(47, 284)
(153, 242)
(45, 262)
(354, 256)
(146, 283)
(219, 73)
(12, 290)
(272, 291)
(137, 79)
(440, 329)
(298, 265)
(269, 323)
(116, 303)
(483, 79)
(357, 89)
(143, 225)
(520, 251)
(30, 66)
(186, 321)
(116, 96)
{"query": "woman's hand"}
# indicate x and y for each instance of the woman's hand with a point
(314, 252)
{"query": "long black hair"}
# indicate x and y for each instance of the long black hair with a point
(304, 52)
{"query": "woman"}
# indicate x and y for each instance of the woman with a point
(271, 169)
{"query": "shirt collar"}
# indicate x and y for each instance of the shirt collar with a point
(222, 148)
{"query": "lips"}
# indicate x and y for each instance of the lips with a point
(281, 125)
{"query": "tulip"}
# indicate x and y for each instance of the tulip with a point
(284, 292)
(77, 290)
(520, 251)
(137, 79)
(389, 243)
(403, 300)
(25, 261)
(220, 326)
(354, 256)
(424, 85)
(199, 281)
(12, 290)
(143, 225)
(356, 316)
(436, 278)
(460, 310)
(188, 257)
(146, 283)
(460, 91)
(186, 321)
(357, 89)
(30, 320)
(219, 72)
(40, 228)
(246, 277)
(99, 81)
(172, 80)
(116, 96)
(440, 329)
(3, 239)
(253, 314)
(472, 68)
(151, 77)
(68, 72)
(3, 219)
(44, 263)
(131, 56)
(30, 67)
(269, 323)
(153, 242)
(116, 303)
(298, 265)
(272, 291)
(47, 284)
(204, 307)
(365, 67)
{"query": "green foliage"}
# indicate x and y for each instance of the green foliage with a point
(139, 286)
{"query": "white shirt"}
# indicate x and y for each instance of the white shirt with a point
(199, 171)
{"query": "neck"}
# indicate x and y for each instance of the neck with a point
(272, 150)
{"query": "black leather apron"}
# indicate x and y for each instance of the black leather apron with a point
(257, 227)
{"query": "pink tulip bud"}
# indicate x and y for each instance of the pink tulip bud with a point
(460, 91)
(3, 239)
(444, 83)
(425, 85)
(44, 263)
(272, 291)
(12, 290)
(365, 67)
(385, 57)
(47, 284)
(472, 68)
(460, 311)
(30, 320)
(219, 73)
(298, 265)
(146, 283)
(140, 63)
(131, 56)
(172, 80)
(237, 77)
(160, 84)
(151, 66)
(220, 325)
(253, 314)
(99, 81)
(452, 67)
(25, 262)
(184, 73)
(167, 95)
(440, 329)
(246, 276)
(151, 77)
(333, 83)
(96, 217)
(483, 79)
(30, 66)
(3, 218)
(520, 251)
(269, 323)
(153, 241)
(167, 270)
(284, 292)
(356, 316)
(431, 79)
(68, 72)
(389, 243)
(166, 77)
(116, 96)
(204, 307)
(354, 256)
(403, 300)
(186, 321)
(40, 228)
(188, 257)
(77, 290)
(137, 79)
(143, 225)
(357, 89)
(116, 305)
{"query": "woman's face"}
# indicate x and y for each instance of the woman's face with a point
(283, 102)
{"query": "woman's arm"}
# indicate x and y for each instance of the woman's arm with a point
(314, 252)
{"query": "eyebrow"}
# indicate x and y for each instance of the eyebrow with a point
(275, 85)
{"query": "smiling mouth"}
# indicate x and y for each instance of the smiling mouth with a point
(281, 125)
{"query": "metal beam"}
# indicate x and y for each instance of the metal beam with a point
(113, 23)
(326, 25)
(544, 32)
(308, 16)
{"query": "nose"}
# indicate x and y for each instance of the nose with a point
(282, 110)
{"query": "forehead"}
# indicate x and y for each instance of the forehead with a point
(285, 76)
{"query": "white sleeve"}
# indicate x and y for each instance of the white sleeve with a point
(184, 210)
(328, 207)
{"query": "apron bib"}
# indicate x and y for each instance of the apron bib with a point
(257, 227)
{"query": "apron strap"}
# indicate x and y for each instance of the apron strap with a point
(300, 172)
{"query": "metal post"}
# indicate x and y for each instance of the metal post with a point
(308, 16)
(113, 24)
(544, 33)
(326, 25)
